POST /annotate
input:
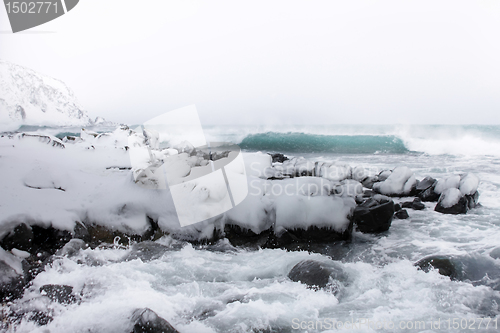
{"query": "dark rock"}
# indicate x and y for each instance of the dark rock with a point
(49, 239)
(397, 207)
(11, 283)
(374, 215)
(278, 158)
(304, 239)
(58, 293)
(20, 238)
(238, 236)
(406, 204)
(429, 195)
(473, 200)
(316, 274)
(39, 317)
(401, 214)
(445, 266)
(95, 235)
(417, 204)
(369, 181)
(147, 321)
(425, 184)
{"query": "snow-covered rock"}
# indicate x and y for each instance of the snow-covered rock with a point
(333, 171)
(446, 183)
(468, 184)
(452, 201)
(30, 98)
(401, 181)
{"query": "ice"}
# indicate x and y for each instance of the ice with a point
(400, 181)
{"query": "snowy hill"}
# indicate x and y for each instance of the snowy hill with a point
(30, 98)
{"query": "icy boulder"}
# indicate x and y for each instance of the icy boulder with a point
(375, 214)
(400, 182)
(313, 219)
(468, 184)
(446, 183)
(458, 193)
(332, 171)
(452, 201)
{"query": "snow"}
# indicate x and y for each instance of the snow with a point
(400, 181)
(30, 98)
(446, 183)
(294, 212)
(468, 184)
(257, 163)
(333, 171)
(450, 197)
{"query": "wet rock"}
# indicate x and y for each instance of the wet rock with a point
(238, 236)
(416, 204)
(444, 264)
(369, 181)
(146, 251)
(95, 235)
(425, 184)
(304, 239)
(452, 201)
(147, 321)
(278, 158)
(473, 200)
(39, 317)
(401, 214)
(374, 215)
(11, 283)
(316, 274)
(72, 248)
(20, 238)
(58, 293)
(397, 207)
(49, 239)
(429, 195)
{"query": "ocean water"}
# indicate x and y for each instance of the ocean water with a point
(219, 288)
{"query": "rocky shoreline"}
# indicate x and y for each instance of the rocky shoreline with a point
(337, 199)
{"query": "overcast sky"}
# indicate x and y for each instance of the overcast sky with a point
(258, 62)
